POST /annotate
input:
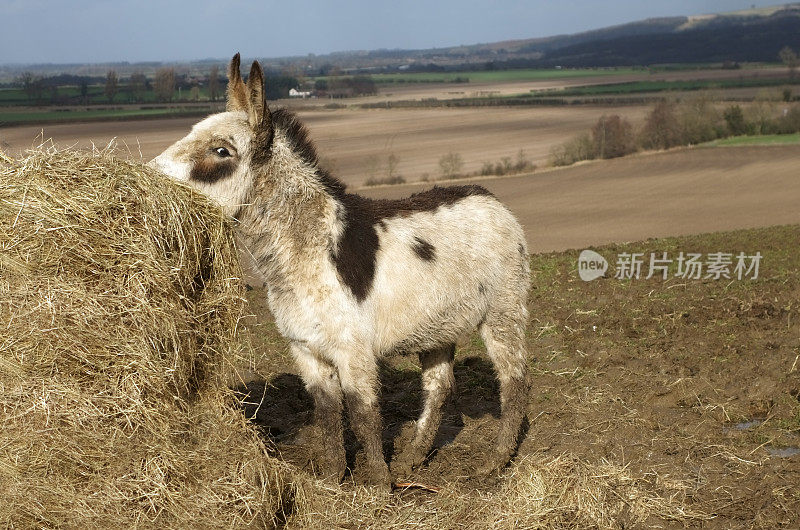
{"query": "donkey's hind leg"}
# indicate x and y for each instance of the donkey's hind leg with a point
(438, 384)
(504, 337)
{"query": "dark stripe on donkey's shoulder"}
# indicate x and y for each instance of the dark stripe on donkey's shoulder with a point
(357, 248)
(355, 254)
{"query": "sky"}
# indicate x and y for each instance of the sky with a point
(98, 31)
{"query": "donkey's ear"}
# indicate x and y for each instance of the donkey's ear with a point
(237, 93)
(258, 112)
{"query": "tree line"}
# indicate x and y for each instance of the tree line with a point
(688, 122)
(166, 85)
(137, 88)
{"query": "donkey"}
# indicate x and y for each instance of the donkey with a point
(350, 279)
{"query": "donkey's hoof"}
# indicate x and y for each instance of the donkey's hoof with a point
(401, 469)
(324, 459)
(406, 462)
(375, 475)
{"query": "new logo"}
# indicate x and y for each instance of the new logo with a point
(591, 265)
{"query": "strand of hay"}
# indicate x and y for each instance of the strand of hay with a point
(120, 299)
(5, 158)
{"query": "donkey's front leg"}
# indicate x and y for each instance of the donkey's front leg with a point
(322, 382)
(358, 374)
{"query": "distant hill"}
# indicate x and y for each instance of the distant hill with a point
(746, 36)
(754, 35)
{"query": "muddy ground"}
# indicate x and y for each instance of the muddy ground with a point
(691, 386)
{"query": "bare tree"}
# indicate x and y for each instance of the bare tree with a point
(612, 137)
(83, 87)
(451, 165)
(213, 83)
(699, 119)
(164, 84)
(112, 85)
(761, 112)
(661, 128)
(391, 166)
(789, 58)
(734, 119)
(138, 86)
(373, 166)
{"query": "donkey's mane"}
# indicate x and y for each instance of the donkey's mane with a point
(297, 135)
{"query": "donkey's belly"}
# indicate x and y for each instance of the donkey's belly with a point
(428, 320)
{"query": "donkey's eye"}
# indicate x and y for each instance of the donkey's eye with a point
(222, 152)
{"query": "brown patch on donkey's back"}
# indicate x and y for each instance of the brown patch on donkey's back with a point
(354, 255)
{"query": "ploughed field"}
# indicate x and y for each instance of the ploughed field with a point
(656, 194)
(659, 403)
(357, 143)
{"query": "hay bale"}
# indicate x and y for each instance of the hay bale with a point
(119, 304)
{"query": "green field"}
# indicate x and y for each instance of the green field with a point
(70, 95)
(8, 118)
(667, 86)
(764, 139)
